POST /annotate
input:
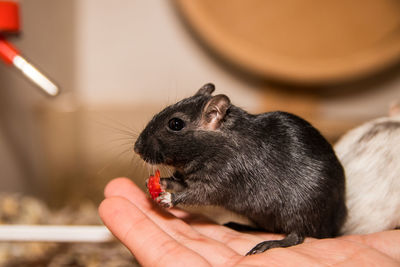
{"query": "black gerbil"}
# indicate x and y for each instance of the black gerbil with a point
(274, 168)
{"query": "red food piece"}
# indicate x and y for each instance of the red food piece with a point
(153, 185)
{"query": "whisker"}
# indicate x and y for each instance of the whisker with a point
(123, 138)
(121, 124)
(127, 143)
(117, 127)
(118, 130)
(117, 157)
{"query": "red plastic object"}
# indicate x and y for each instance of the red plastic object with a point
(153, 185)
(7, 51)
(9, 16)
(9, 23)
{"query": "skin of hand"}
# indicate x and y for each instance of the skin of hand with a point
(159, 237)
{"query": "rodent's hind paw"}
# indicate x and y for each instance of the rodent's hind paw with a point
(165, 200)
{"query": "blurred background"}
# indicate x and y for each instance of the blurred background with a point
(335, 63)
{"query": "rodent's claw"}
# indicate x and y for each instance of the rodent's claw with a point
(165, 200)
(290, 240)
(259, 248)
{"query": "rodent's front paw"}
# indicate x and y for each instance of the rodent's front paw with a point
(165, 200)
(164, 183)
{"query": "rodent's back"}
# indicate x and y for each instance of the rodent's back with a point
(290, 171)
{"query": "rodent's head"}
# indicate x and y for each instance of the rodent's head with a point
(177, 134)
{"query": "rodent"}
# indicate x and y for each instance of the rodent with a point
(274, 168)
(370, 154)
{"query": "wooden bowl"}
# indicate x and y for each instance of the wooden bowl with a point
(306, 42)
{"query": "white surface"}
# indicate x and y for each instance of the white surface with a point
(54, 233)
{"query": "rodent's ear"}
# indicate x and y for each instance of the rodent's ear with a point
(207, 89)
(214, 112)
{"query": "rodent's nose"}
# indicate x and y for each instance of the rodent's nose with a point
(137, 146)
(135, 149)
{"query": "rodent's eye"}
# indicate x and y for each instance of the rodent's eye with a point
(176, 124)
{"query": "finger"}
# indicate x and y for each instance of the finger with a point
(150, 244)
(240, 242)
(175, 227)
(123, 187)
(223, 233)
(189, 217)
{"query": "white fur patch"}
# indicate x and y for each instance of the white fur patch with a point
(165, 200)
(372, 168)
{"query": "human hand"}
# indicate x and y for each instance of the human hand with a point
(159, 237)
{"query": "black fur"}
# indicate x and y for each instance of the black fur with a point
(274, 168)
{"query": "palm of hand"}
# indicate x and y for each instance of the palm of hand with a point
(160, 238)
